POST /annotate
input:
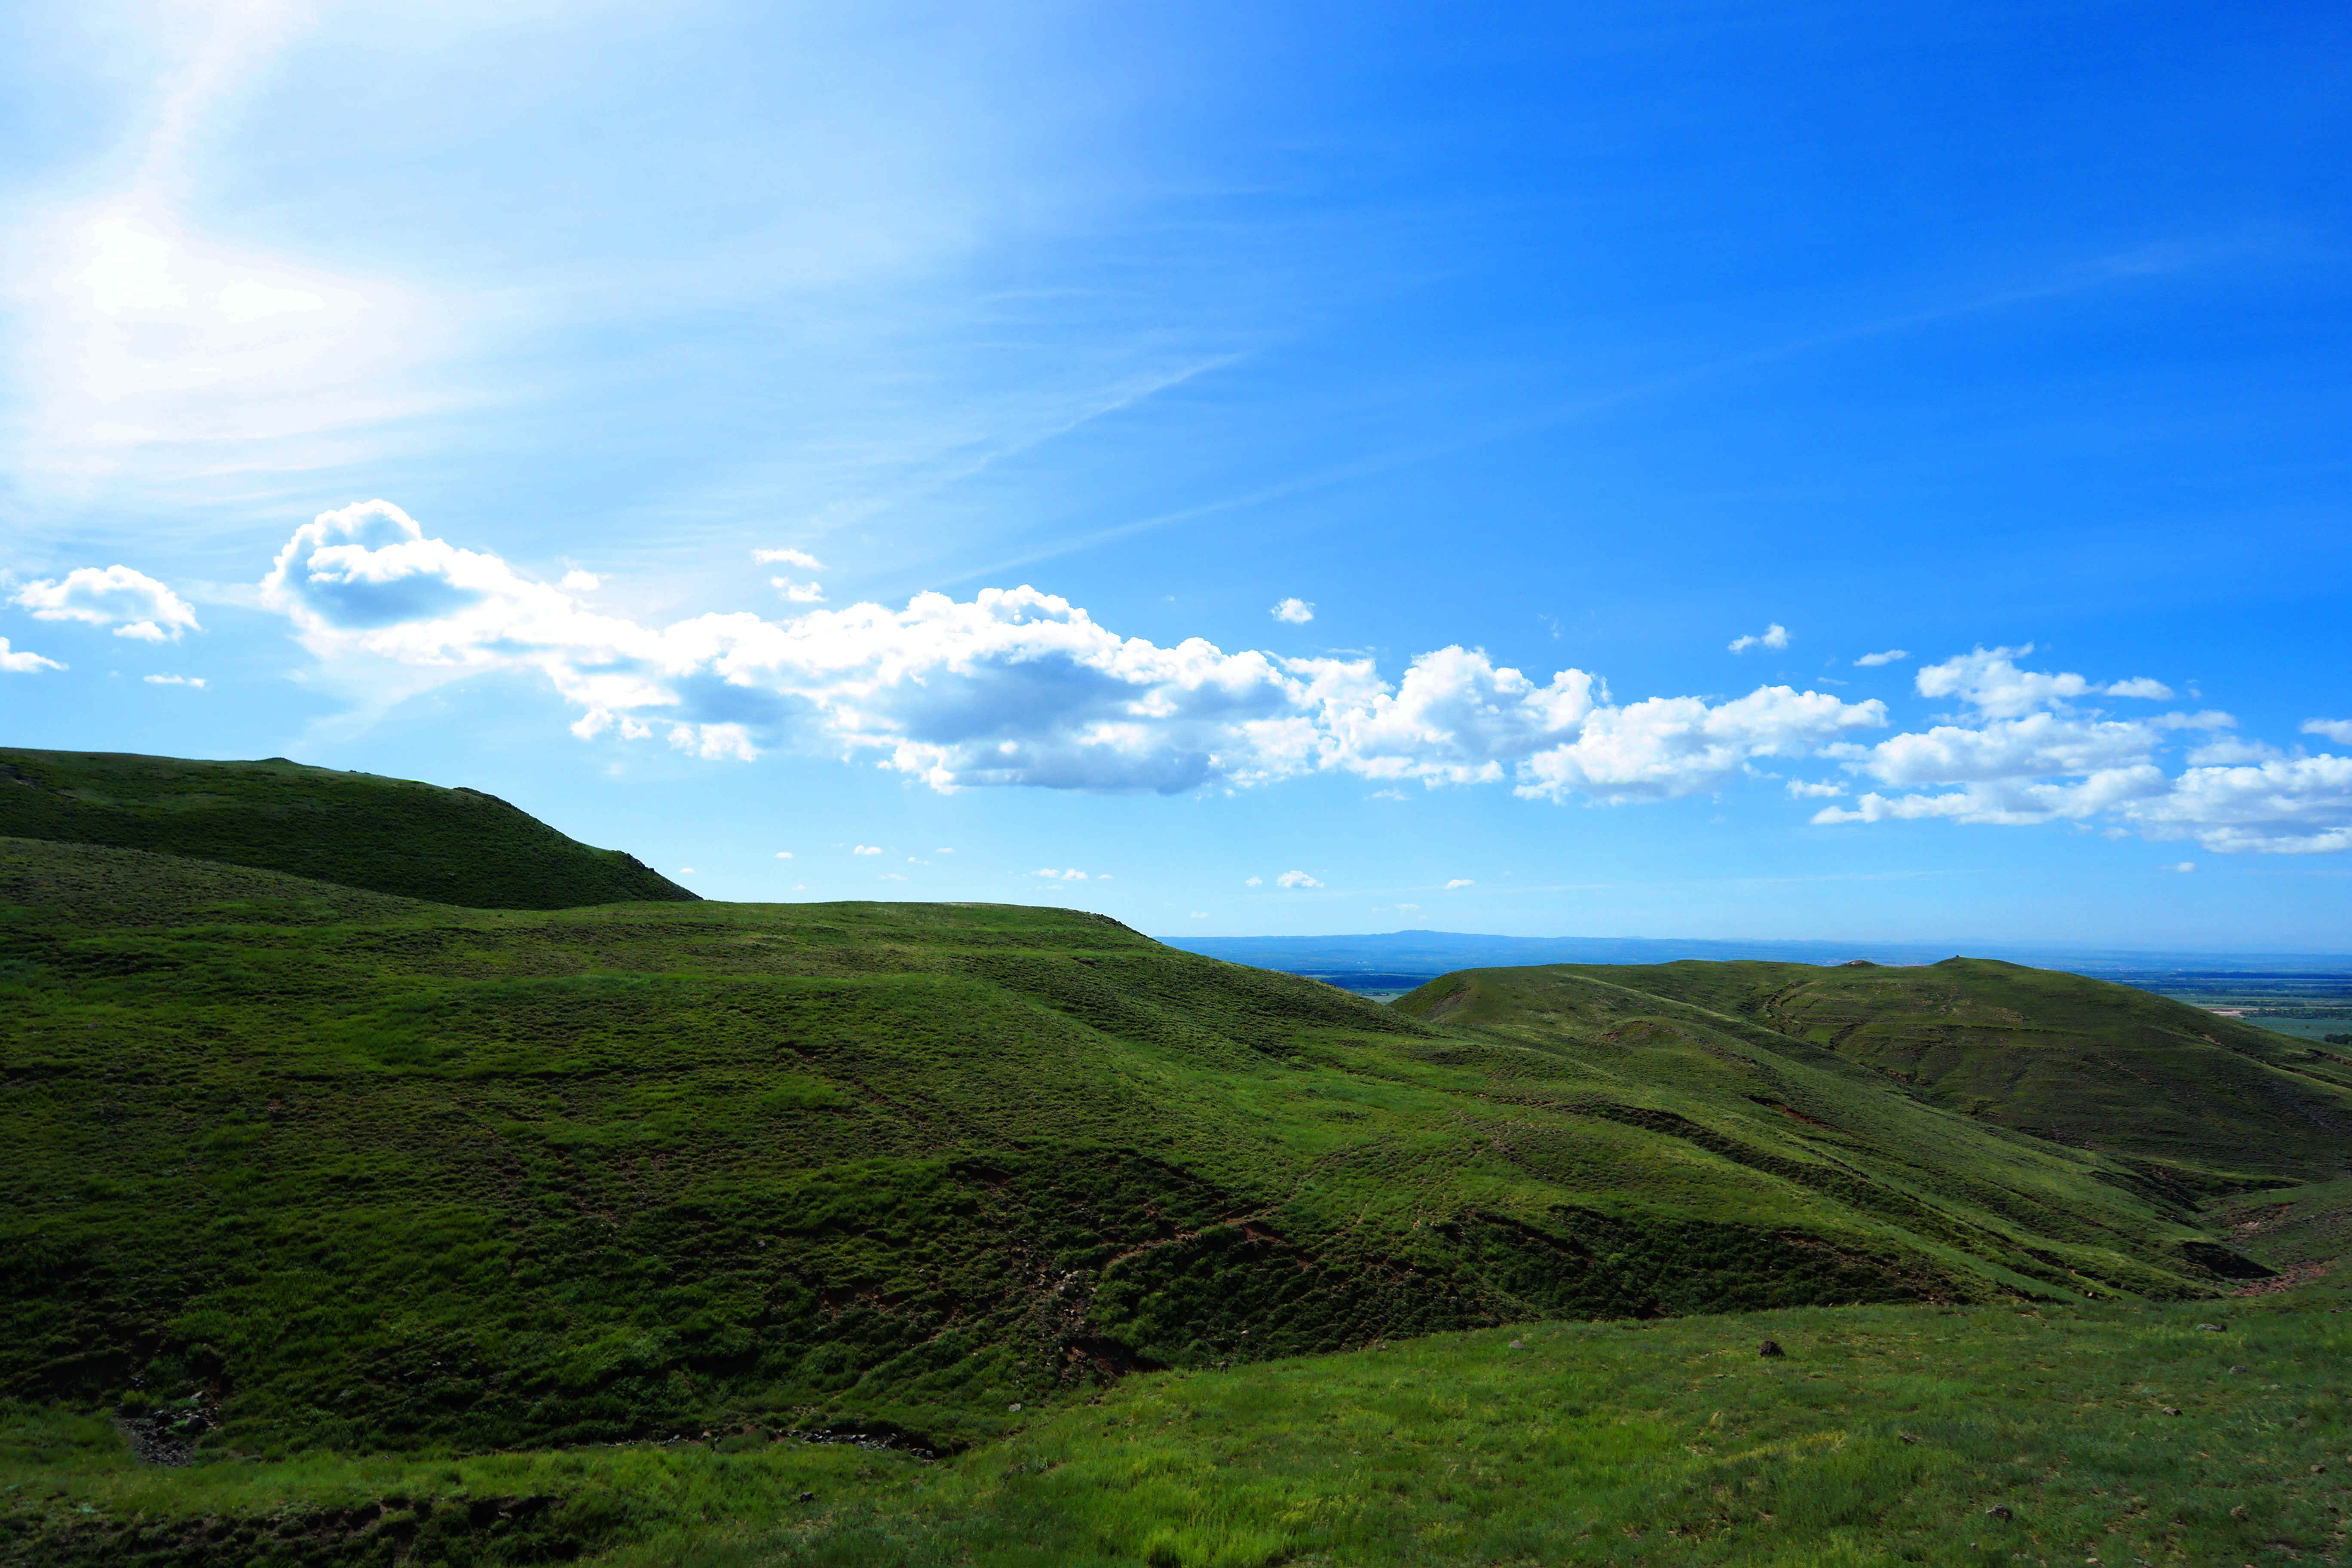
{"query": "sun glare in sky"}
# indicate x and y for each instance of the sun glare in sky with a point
(1741, 471)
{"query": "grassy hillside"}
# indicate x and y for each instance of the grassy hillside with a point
(303, 1166)
(2209, 1102)
(391, 835)
(2206, 1433)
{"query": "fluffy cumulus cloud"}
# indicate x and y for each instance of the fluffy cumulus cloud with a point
(133, 604)
(2033, 750)
(1891, 656)
(1014, 686)
(1989, 682)
(794, 591)
(1297, 612)
(1775, 635)
(2336, 730)
(1295, 879)
(24, 661)
(1018, 686)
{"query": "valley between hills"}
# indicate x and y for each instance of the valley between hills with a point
(395, 1179)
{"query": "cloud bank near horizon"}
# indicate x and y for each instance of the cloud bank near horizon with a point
(1016, 687)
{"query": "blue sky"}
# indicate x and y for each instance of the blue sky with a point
(1275, 468)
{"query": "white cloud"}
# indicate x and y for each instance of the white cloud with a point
(800, 558)
(24, 661)
(133, 604)
(1071, 875)
(578, 581)
(2032, 757)
(1670, 746)
(2010, 803)
(1295, 879)
(1460, 883)
(942, 851)
(2297, 805)
(1197, 915)
(1254, 881)
(1775, 635)
(1799, 789)
(1408, 909)
(686, 871)
(2030, 747)
(2181, 866)
(2336, 730)
(711, 742)
(1989, 681)
(783, 854)
(894, 876)
(1297, 612)
(2285, 806)
(1015, 687)
(196, 681)
(2223, 750)
(798, 593)
(866, 849)
(1892, 656)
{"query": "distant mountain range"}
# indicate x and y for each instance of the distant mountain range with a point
(1390, 961)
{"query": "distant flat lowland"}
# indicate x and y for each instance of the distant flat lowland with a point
(1371, 960)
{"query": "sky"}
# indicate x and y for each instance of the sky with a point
(1798, 470)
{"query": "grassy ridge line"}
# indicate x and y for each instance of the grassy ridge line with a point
(2216, 1102)
(364, 1173)
(390, 835)
(1882, 1436)
(1795, 1110)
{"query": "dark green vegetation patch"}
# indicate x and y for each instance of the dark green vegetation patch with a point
(391, 836)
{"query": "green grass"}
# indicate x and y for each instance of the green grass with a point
(441, 1235)
(364, 1172)
(2211, 1102)
(2122, 1433)
(391, 835)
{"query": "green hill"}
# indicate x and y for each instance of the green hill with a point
(328, 1167)
(2185, 1095)
(390, 835)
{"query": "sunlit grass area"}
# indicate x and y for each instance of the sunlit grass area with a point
(2203, 1433)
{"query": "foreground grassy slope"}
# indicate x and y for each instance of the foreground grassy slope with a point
(1885, 1435)
(310, 1165)
(2187, 1097)
(393, 835)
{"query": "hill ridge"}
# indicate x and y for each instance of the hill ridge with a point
(447, 845)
